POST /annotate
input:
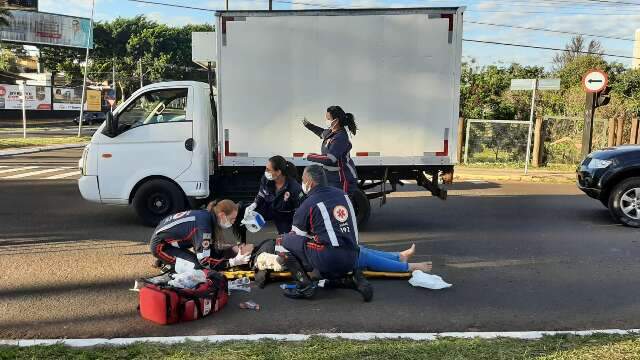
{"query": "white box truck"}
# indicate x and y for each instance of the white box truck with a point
(172, 145)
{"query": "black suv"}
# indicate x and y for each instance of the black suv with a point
(612, 175)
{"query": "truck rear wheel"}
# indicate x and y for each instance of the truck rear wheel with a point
(157, 199)
(624, 202)
(361, 206)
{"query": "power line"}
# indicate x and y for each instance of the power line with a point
(172, 5)
(213, 10)
(548, 48)
(547, 12)
(547, 30)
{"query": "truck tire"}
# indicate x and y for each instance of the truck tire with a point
(361, 207)
(624, 202)
(157, 199)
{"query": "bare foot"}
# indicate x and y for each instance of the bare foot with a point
(423, 266)
(407, 254)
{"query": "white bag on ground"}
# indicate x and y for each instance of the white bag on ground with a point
(428, 281)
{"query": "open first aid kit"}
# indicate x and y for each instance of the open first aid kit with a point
(164, 304)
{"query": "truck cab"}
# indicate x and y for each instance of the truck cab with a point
(152, 152)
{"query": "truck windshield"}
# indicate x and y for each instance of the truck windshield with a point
(154, 107)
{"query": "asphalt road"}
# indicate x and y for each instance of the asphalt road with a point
(520, 256)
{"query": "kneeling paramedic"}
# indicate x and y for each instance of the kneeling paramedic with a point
(323, 240)
(200, 230)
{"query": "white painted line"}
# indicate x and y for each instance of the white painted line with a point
(63, 176)
(34, 173)
(523, 335)
(18, 169)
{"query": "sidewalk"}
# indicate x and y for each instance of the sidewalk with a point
(501, 174)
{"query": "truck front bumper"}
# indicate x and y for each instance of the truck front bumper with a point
(89, 189)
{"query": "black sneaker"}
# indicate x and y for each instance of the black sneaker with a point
(363, 286)
(306, 292)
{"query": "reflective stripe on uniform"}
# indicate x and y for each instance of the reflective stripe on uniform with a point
(353, 171)
(177, 222)
(327, 224)
(298, 231)
(330, 168)
(353, 216)
(332, 157)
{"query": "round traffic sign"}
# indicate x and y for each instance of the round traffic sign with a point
(594, 81)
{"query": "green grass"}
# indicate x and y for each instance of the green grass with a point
(605, 347)
(14, 143)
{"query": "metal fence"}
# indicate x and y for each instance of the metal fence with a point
(505, 141)
(496, 141)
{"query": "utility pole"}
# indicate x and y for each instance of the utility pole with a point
(140, 69)
(270, 5)
(86, 66)
(226, 5)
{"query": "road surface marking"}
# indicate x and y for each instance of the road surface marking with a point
(63, 175)
(170, 340)
(34, 173)
(18, 169)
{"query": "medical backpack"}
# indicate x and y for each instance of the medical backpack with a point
(164, 304)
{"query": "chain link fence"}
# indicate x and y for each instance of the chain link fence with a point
(496, 141)
(505, 141)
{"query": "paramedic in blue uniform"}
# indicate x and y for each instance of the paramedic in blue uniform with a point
(324, 238)
(334, 153)
(280, 194)
(193, 238)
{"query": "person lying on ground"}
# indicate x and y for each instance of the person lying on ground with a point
(193, 239)
(383, 261)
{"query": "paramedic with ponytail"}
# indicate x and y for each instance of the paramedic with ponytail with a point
(280, 194)
(334, 153)
(192, 239)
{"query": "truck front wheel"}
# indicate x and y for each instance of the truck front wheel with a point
(157, 199)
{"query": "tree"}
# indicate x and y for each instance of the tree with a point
(577, 48)
(5, 17)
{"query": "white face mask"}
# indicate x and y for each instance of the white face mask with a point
(305, 188)
(226, 224)
(329, 124)
(268, 175)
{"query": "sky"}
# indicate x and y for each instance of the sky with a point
(612, 18)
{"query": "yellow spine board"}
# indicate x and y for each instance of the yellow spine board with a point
(230, 275)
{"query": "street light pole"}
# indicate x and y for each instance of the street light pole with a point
(86, 65)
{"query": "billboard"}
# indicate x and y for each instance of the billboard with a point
(19, 4)
(37, 97)
(94, 100)
(67, 98)
(47, 29)
(70, 99)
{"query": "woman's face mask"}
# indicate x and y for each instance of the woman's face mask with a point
(224, 222)
(268, 175)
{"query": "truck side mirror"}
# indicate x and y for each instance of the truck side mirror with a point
(111, 126)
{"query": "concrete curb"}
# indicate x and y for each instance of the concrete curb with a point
(560, 179)
(522, 335)
(40, 149)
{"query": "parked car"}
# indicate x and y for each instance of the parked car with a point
(91, 118)
(612, 175)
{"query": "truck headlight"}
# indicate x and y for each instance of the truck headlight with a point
(598, 164)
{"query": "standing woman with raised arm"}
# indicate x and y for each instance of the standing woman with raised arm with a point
(334, 153)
